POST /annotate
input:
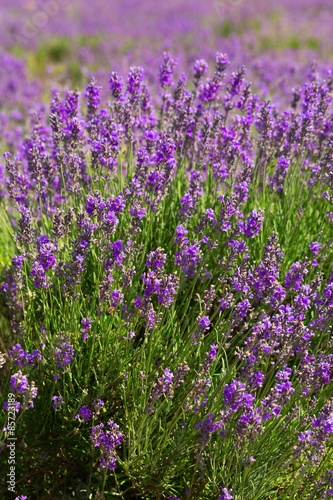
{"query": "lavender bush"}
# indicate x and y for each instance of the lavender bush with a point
(167, 286)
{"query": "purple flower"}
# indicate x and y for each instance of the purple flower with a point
(156, 260)
(46, 249)
(84, 414)
(281, 170)
(221, 62)
(134, 82)
(16, 404)
(252, 225)
(98, 405)
(23, 358)
(166, 69)
(315, 247)
(295, 276)
(64, 354)
(107, 441)
(86, 326)
(18, 261)
(204, 323)
(181, 232)
(92, 95)
(117, 253)
(188, 257)
(163, 386)
(200, 68)
(40, 278)
(256, 380)
(116, 85)
(19, 383)
(277, 296)
(226, 494)
(57, 402)
(116, 298)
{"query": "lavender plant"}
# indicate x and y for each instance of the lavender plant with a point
(169, 296)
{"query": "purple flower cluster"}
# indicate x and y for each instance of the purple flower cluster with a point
(107, 440)
(312, 441)
(23, 358)
(19, 385)
(57, 402)
(156, 282)
(226, 494)
(86, 326)
(85, 413)
(189, 255)
(63, 354)
(163, 387)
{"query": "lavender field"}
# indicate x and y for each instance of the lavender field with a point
(166, 250)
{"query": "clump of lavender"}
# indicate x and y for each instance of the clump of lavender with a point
(187, 218)
(86, 326)
(163, 387)
(28, 392)
(63, 355)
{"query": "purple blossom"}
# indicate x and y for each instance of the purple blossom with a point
(98, 406)
(204, 323)
(188, 257)
(134, 82)
(58, 401)
(64, 354)
(19, 385)
(198, 396)
(46, 249)
(252, 225)
(181, 232)
(163, 386)
(84, 414)
(256, 379)
(23, 358)
(116, 85)
(18, 261)
(166, 69)
(226, 494)
(117, 253)
(116, 298)
(86, 326)
(92, 95)
(41, 280)
(295, 276)
(16, 404)
(200, 68)
(107, 441)
(156, 260)
(281, 170)
(221, 62)
(315, 247)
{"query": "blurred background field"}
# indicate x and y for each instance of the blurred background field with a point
(64, 41)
